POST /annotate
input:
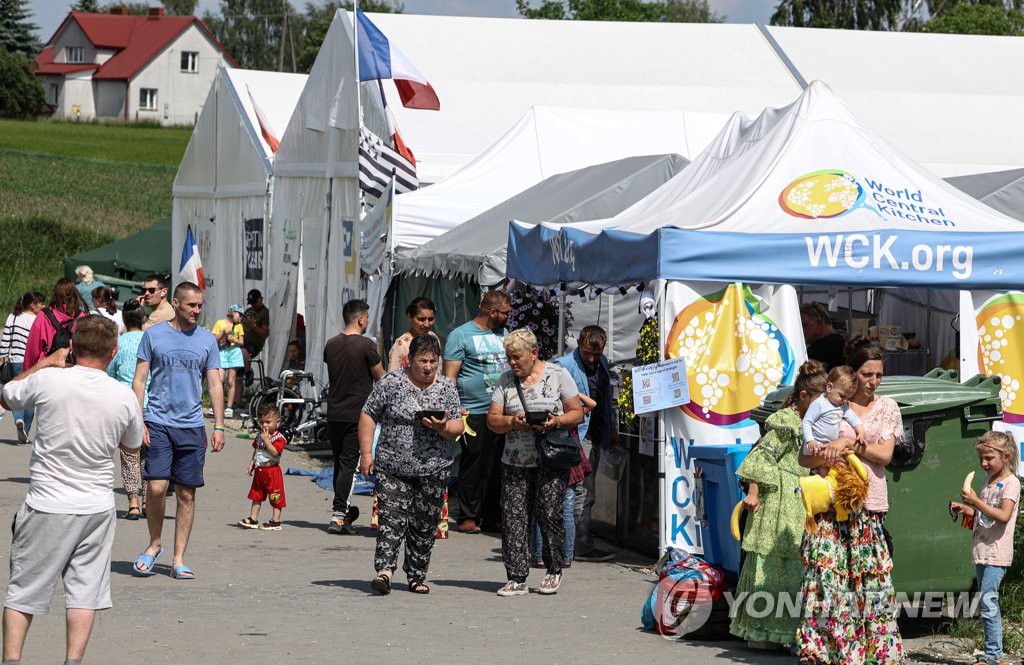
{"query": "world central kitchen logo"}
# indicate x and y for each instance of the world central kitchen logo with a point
(831, 193)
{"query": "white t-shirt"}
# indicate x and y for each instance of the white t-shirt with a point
(82, 415)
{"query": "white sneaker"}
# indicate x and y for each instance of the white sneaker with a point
(228, 413)
(513, 589)
(22, 434)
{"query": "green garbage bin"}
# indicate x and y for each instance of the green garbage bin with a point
(942, 419)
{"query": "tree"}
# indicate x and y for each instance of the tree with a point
(642, 11)
(977, 19)
(254, 31)
(17, 33)
(171, 7)
(845, 14)
(318, 19)
(21, 91)
(89, 6)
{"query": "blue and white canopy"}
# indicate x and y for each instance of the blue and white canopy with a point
(804, 194)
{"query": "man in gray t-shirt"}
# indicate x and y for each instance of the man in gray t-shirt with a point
(474, 359)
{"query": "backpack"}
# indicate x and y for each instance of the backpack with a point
(63, 331)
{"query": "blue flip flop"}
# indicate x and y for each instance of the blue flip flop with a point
(183, 572)
(147, 560)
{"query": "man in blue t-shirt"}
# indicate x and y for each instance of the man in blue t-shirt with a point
(474, 358)
(177, 354)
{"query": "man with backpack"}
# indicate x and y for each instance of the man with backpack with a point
(53, 327)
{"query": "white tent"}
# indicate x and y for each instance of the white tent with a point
(488, 73)
(316, 207)
(545, 142)
(225, 179)
(804, 194)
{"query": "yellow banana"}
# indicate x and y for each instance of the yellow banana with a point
(734, 522)
(968, 480)
(466, 429)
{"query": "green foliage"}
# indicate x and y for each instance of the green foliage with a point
(678, 11)
(17, 32)
(90, 6)
(259, 34)
(977, 19)
(844, 14)
(35, 248)
(21, 91)
(171, 7)
(67, 187)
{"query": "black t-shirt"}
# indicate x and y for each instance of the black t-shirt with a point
(261, 317)
(349, 359)
(830, 350)
(596, 427)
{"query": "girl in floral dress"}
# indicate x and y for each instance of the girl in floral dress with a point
(775, 525)
(849, 602)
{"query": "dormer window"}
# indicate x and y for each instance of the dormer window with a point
(76, 54)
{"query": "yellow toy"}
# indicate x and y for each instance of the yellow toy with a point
(844, 488)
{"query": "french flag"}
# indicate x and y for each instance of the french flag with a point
(191, 269)
(380, 59)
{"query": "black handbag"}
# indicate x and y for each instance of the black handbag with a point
(557, 449)
(6, 371)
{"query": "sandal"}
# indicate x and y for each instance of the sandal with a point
(381, 584)
(133, 514)
(249, 523)
(418, 587)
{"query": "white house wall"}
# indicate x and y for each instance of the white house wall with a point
(77, 91)
(180, 95)
(109, 96)
(73, 35)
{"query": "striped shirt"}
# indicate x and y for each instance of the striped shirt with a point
(15, 336)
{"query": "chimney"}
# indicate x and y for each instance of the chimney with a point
(155, 12)
(119, 11)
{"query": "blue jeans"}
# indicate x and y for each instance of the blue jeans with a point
(568, 510)
(989, 579)
(28, 414)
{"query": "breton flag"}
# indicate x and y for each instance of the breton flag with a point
(268, 132)
(380, 59)
(378, 162)
(191, 269)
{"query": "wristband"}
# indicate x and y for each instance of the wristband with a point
(218, 428)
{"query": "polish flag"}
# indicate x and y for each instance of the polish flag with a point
(191, 269)
(268, 132)
(380, 59)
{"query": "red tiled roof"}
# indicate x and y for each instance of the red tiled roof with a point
(137, 40)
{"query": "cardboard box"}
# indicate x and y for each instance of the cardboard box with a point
(890, 338)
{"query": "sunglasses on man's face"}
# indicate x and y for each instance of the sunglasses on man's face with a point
(151, 289)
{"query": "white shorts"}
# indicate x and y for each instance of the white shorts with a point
(48, 545)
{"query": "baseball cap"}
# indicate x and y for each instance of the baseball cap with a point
(236, 308)
(254, 295)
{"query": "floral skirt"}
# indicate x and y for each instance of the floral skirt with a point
(849, 602)
(760, 613)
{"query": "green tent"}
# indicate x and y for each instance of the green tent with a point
(127, 261)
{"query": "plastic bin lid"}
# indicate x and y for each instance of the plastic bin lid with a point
(915, 394)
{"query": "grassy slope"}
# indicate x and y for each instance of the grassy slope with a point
(65, 188)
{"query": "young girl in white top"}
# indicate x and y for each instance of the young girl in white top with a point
(995, 517)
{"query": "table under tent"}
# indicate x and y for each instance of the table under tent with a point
(801, 195)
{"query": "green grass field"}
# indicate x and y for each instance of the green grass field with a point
(69, 187)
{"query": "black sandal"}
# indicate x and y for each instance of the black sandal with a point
(381, 584)
(133, 516)
(418, 587)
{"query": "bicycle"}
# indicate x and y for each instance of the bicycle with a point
(302, 417)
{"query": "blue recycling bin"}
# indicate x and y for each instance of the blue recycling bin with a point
(721, 491)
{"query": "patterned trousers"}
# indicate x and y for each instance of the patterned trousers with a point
(131, 473)
(409, 507)
(528, 494)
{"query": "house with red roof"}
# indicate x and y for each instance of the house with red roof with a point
(122, 67)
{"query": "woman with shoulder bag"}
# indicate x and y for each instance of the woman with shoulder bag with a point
(533, 399)
(66, 305)
(12, 350)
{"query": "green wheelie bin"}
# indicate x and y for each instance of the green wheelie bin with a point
(942, 419)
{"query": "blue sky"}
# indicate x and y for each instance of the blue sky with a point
(49, 13)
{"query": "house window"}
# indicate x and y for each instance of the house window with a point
(76, 54)
(147, 99)
(190, 61)
(55, 94)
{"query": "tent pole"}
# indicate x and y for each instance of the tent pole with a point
(610, 349)
(561, 324)
(849, 313)
(928, 325)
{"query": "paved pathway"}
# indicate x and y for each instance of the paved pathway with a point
(302, 596)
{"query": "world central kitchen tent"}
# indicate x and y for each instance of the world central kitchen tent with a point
(804, 194)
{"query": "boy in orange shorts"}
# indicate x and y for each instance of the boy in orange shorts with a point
(265, 469)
